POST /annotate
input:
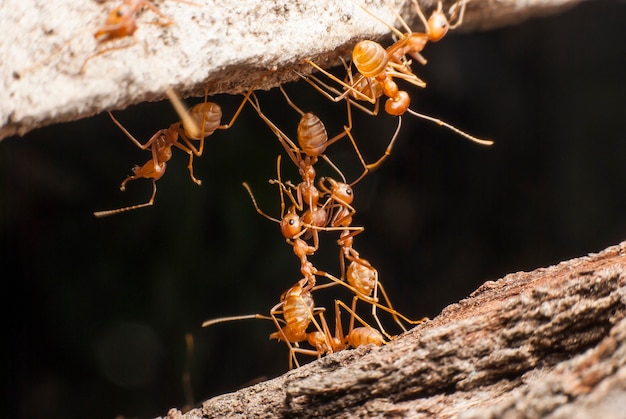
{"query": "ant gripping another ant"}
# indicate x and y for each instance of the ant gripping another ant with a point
(293, 228)
(298, 312)
(377, 67)
(312, 143)
(200, 122)
(362, 278)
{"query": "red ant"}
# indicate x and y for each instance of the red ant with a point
(180, 135)
(293, 228)
(362, 277)
(362, 280)
(312, 142)
(379, 66)
(121, 22)
(356, 336)
(298, 311)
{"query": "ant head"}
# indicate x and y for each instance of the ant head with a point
(341, 191)
(291, 225)
(438, 24)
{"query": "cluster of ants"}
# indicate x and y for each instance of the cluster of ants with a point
(316, 205)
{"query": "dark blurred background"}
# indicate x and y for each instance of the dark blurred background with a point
(97, 309)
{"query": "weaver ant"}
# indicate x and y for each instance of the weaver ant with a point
(293, 228)
(378, 67)
(362, 281)
(312, 142)
(298, 311)
(361, 276)
(121, 22)
(356, 336)
(200, 122)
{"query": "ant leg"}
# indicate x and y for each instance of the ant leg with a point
(256, 206)
(289, 146)
(243, 102)
(348, 88)
(104, 51)
(372, 166)
(190, 164)
(133, 139)
(453, 11)
(450, 127)
(191, 127)
(106, 213)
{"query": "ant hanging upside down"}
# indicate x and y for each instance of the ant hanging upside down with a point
(200, 122)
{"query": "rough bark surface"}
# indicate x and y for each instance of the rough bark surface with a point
(225, 45)
(547, 343)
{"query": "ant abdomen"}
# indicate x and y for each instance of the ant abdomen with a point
(362, 276)
(211, 113)
(370, 58)
(361, 336)
(312, 136)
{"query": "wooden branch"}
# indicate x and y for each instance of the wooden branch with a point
(551, 342)
(229, 45)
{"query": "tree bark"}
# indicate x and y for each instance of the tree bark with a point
(227, 46)
(546, 343)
